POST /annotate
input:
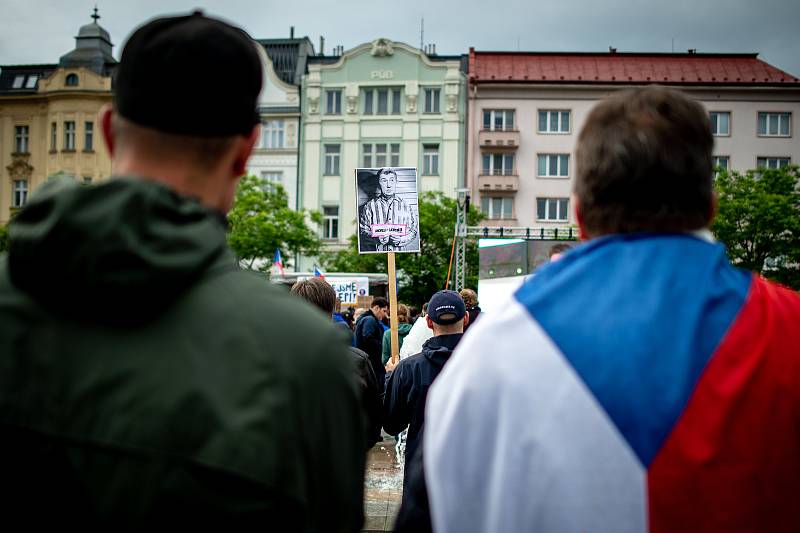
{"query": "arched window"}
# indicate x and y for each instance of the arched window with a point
(72, 80)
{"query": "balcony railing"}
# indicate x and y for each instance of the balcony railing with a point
(505, 139)
(498, 182)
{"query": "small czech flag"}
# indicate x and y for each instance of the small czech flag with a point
(277, 261)
(318, 273)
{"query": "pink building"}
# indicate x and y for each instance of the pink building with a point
(527, 108)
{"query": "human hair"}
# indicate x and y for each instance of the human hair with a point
(425, 308)
(559, 248)
(469, 296)
(201, 152)
(402, 313)
(380, 302)
(447, 329)
(386, 170)
(644, 164)
(317, 292)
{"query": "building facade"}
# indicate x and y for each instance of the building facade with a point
(275, 156)
(380, 104)
(527, 109)
(49, 119)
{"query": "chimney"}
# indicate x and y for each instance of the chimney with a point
(321, 45)
(291, 32)
(612, 50)
(434, 48)
(692, 50)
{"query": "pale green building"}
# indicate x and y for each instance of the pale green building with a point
(380, 104)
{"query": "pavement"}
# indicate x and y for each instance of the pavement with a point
(383, 487)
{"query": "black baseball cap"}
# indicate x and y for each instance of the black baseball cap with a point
(190, 75)
(446, 307)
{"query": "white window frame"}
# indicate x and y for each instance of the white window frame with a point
(433, 97)
(69, 135)
(273, 134)
(20, 193)
(549, 172)
(430, 159)
(503, 115)
(769, 117)
(554, 121)
(492, 169)
(330, 223)
(272, 176)
(88, 136)
(717, 160)
(333, 102)
(559, 204)
(488, 204)
(371, 97)
(371, 155)
(773, 161)
(715, 125)
(22, 139)
(333, 158)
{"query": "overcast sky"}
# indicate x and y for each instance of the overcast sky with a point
(39, 31)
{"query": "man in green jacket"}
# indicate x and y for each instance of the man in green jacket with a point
(145, 381)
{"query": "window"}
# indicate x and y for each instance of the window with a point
(551, 121)
(31, 83)
(381, 155)
(18, 81)
(772, 162)
(432, 97)
(87, 180)
(552, 209)
(720, 123)
(21, 139)
(382, 100)
(272, 134)
(69, 135)
(774, 124)
(430, 159)
(333, 102)
(272, 177)
(553, 165)
(53, 136)
(330, 222)
(20, 193)
(722, 162)
(88, 137)
(71, 80)
(498, 164)
(332, 155)
(497, 207)
(498, 119)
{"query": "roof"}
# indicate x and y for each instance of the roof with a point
(289, 57)
(9, 73)
(625, 68)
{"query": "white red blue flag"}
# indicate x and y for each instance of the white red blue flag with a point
(277, 262)
(318, 273)
(639, 384)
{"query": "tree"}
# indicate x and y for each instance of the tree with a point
(4, 243)
(419, 275)
(758, 220)
(261, 222)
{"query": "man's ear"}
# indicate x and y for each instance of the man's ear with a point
(106, 113)
(429, 321)
(243, 151)
(466, 319)
(579, 216)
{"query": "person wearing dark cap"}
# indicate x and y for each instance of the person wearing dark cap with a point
(141, 384)
(408, 384)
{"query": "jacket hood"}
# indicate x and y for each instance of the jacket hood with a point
(120, 251)
(403, 329)
(439, 349)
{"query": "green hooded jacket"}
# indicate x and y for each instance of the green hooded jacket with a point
(402, 331)
(145, 379)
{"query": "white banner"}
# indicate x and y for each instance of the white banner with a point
(349, 289)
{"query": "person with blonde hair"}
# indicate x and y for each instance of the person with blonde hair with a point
(403, 327)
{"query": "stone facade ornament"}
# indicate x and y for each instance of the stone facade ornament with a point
(313, 104)
(411, 103)
(452, 103)
(20, 169)
(382, 47)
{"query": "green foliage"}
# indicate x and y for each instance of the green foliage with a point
(758, 220)
(4, 238)
(262, 221)
(419, 275)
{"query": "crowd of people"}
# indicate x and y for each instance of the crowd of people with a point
(637, 382)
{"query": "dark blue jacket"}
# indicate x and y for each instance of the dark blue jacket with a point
(407, 388)
(369, 338)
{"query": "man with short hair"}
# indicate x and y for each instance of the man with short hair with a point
(408, 384)
(387, 208)
(368, 335)
(320, 294)
(145, 381)
(640, 383)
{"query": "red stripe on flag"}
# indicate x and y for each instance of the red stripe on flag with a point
(732, 462)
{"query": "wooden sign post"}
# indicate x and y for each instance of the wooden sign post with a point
(393, 323)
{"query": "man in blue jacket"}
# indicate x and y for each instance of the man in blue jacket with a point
(369, 335)
(407, 388)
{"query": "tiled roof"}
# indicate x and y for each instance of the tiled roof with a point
(625, 68)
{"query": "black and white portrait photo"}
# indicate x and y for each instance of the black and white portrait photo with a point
(388, 214)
